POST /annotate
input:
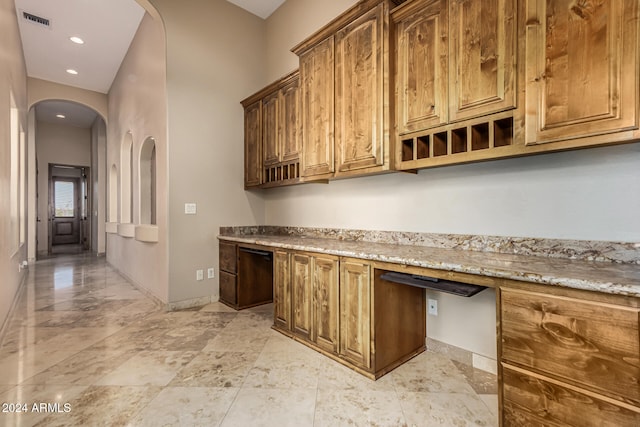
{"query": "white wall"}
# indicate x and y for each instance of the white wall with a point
(138, 107)
(13, 85)
(589, 194)
(215, 58)
(98, 185)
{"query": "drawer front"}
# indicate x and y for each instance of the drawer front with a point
(228, 288)
(536, 402)
(590, 344)
(228, 257)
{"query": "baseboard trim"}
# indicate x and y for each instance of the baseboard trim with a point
(462, 355)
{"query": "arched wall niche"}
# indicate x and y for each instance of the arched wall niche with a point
(147, 181)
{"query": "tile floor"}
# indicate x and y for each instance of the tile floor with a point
(99, 352)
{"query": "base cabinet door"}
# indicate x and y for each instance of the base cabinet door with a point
(301, 295)
(355, 313)
(326, 315)
(282, 290)
(228, 288)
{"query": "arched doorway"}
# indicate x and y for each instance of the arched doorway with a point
(69, 146)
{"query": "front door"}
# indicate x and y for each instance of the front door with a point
(65, 215)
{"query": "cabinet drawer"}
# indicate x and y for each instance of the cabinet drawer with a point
(228, 257)
(590, 344)
(228, 288)
(536, 402)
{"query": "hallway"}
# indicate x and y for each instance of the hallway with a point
(83, 337)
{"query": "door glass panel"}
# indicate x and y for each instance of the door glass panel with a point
(64, 200)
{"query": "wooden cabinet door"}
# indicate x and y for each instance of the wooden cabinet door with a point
(326, 314)
(317, 80)
(281, 290)
(288, 122)
(270, 131)
(482, 72)
(302, 299)
(581, 68)
(360, 92)
(253, 145)
(355, 313)
(421, 66)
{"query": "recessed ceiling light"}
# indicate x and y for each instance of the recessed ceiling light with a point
(76, 40)
(72, 71)
(60, 116)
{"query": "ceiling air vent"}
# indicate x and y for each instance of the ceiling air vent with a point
(35, 19)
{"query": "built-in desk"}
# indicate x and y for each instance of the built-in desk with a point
(568, 312)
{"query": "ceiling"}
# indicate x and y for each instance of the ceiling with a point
(107, 28)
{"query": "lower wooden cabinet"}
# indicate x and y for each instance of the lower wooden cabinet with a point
(569, 357)
(246, 276)
(342, 308)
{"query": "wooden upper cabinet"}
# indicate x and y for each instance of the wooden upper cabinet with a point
(581, 69)
(253, 145)
(317, 80)
(272, 134)
(270, 125)
(482, 73)
(421, 66)
(360, 92)
(288, 121)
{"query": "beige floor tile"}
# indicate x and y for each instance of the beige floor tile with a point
(282, 408)
(149, 368)
(445, 409)
(335, 408)
(215, 369)
(430, 372)
(187, 406)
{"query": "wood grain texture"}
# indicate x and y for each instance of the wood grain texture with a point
(421, 67)
(228, 289)
(593, 345)
(288, 121)
(281, 290)
(326, 293)
(302, 297)
(355, 313)
(253, 145)
(228, 254)
(582, 59)
(531, 400)
(360, 66)
(317, 80)
(270, 129)
(483, 57)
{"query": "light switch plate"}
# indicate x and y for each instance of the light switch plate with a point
(190, 208)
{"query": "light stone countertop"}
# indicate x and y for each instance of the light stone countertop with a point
(599, 276)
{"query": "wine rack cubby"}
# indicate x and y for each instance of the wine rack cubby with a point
(455, 141)
(282, 174)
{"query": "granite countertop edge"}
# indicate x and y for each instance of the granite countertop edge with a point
(598, 276)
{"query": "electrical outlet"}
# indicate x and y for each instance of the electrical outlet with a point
(433, 307)
(210, 273)
(199, 275)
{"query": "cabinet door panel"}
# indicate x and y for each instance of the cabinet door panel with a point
(421, 69)
(228, 288)
(595, 345)
(270, 129)
(253, 145)
(288, 123)
(581, 74)
(282, 290)
(360, 77)
(301, 288)
(355, 313)
(325, 279)
(317, 79)
(483, 40)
